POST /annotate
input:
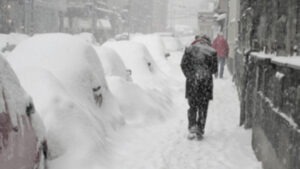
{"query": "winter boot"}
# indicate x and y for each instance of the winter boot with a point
(194, 132)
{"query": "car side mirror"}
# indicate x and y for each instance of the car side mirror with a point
(167, 55)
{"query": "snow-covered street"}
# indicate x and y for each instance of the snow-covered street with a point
(165, 145)
(122, 106)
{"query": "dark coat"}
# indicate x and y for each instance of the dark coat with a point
(198, 64)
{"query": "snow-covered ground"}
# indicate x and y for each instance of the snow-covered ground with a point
(165, 146)
(61, 72)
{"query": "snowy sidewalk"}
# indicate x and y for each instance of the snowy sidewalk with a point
(165, 146)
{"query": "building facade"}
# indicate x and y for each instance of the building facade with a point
(207, 23)
(270, 26)
(147, 16)
(30, 16)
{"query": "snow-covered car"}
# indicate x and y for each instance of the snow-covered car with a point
(172, 44)
(22, 143)
(9, 41)
(112, 63)
(137, 58)
(139, 106)
(155, 46)
(65, 77)
(122, 36)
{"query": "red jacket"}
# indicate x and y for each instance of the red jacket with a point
(221, 46)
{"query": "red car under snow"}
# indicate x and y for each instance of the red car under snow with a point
(21, 146)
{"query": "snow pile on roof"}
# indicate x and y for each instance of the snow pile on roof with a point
(156, 48)
(67, 81)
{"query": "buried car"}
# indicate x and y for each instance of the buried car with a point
(147, 107)
(22, 143)
(137, 58)
(72, 96)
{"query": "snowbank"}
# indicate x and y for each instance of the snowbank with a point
(67, 80)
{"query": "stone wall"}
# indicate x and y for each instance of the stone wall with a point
(270, 105)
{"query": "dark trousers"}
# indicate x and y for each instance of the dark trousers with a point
(197, 112)
(221, 65)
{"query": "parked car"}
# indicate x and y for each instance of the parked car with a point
(156, 48)
(66, 77)
(22, 143)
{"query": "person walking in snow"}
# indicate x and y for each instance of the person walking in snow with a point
(220, 44)
(198, 64)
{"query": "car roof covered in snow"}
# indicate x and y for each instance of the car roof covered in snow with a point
(72, 61)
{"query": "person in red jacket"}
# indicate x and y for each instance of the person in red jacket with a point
(220, 44)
